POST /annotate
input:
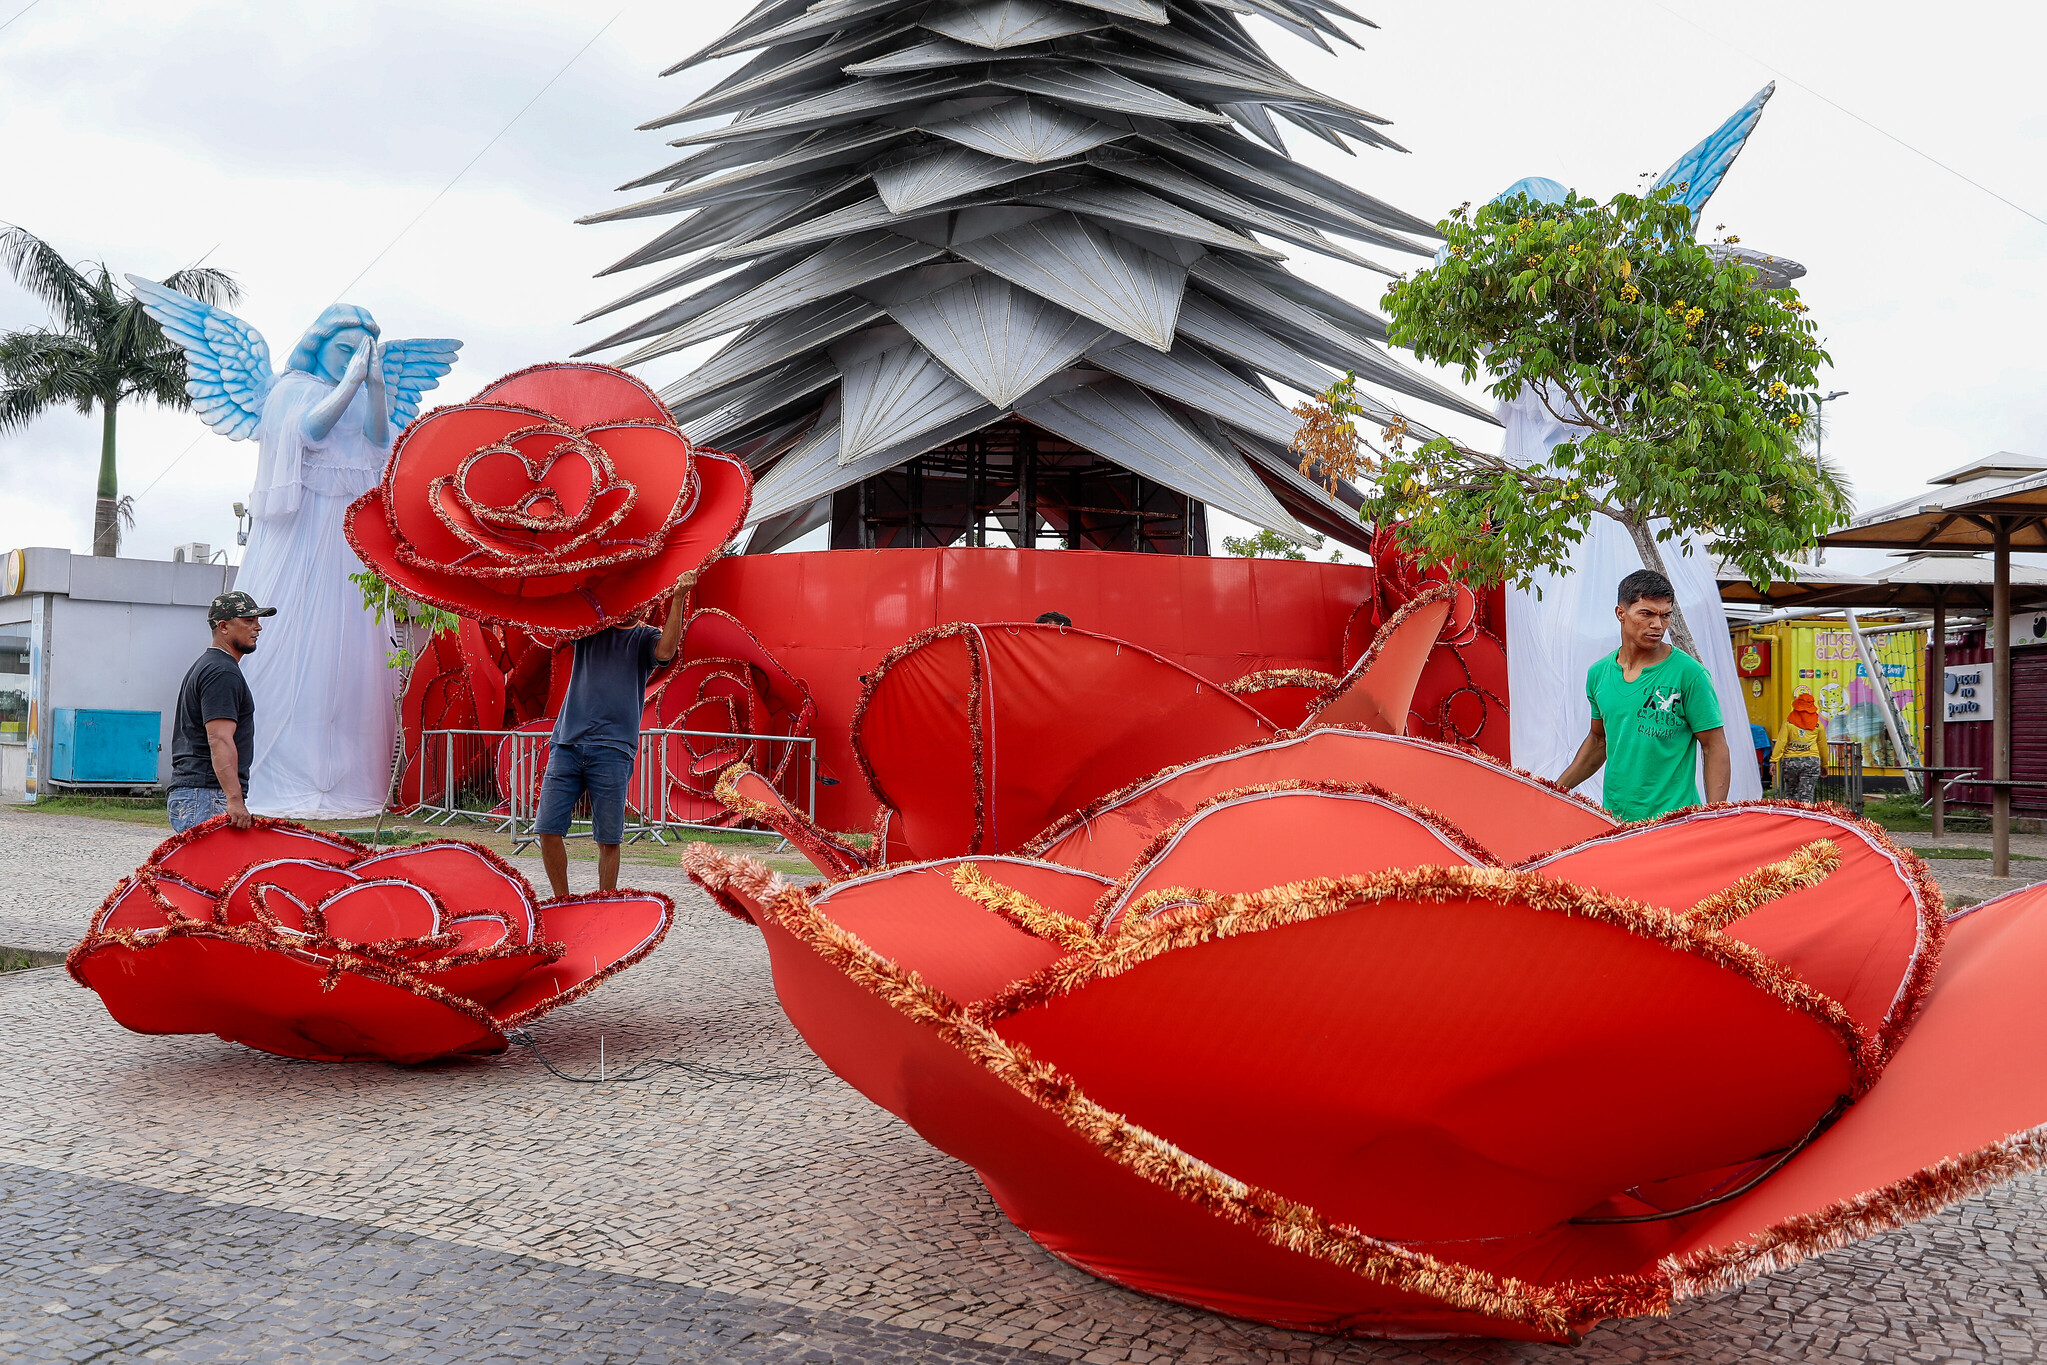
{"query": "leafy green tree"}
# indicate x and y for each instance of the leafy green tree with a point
(1686, 382)
(103, 350)
(1273, 545)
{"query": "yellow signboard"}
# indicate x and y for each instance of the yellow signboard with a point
(1819, 657)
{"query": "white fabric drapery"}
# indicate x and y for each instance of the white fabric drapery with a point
(324, 694)
(1554, 639)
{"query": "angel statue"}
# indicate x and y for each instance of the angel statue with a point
(323, 429)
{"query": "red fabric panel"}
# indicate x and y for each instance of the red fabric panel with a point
(486, 982)
(831, 616)
(467, 880)
(913, 916)
(1853, 936)
(1071, 1199)
(599, 932)
(825, 855)
(136, 909)
(1065, 717)
(213, 858)
(1511, 816)
(372, 911)
(1972, 1072)
(578, 393)
(1286, 706)
(1378, 691)
(1461, 1070)
(1272, 838)
(306, 883)
(273, 1000)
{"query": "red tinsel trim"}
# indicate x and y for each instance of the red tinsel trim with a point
(583, 988)
(1298, 902)
(1107, 903)
(1267, 1214)
(1932, 926)
(1363, 666)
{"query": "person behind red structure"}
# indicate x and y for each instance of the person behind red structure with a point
(1662, 703)
(596, 738)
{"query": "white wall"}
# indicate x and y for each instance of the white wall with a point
(124, 656)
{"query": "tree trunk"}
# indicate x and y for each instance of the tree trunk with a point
(106, 519)
(1652, 558)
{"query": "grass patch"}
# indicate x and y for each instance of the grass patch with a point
(1970, 854)
(21, 959)
(130, 810)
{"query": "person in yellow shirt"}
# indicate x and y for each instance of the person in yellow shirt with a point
(1800, 757)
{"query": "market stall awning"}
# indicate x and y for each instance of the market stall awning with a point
(1955, 580)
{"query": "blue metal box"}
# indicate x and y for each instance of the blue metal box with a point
(104, 746)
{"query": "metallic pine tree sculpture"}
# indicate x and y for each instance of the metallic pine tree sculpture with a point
(1011, 266)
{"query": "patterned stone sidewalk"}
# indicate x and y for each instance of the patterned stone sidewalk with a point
(182, 1198)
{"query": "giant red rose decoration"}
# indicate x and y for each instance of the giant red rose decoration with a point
(1355, 1032)
(310, 945)
(561, 499)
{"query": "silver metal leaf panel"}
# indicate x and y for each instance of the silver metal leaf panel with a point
(1170, 179)
(697, 304)
(1087, 271)
(896, 395)
(1100, 88)
(946, 174)
(1003, 341)
(1246, 163)
(785, 74)
(813, 469)
(1321, 338)
(1151, 11)
(1186, 376)
(838, 267)
(855, 99)
(1011, 23)
(806, 165)
(720, 223)
(928, 55)
(761, 396)
(790, 335)
(1121, 423)
(1026, 129)
(1216, 325)
(820, 18)
(1128, 204)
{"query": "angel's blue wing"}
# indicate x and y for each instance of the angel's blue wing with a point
(227, 362)
(1700, 169)
(412, 367)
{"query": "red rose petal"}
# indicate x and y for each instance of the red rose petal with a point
(372, 911)
(579, 393)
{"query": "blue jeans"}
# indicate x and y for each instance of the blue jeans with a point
(189, 806)
(574, 769)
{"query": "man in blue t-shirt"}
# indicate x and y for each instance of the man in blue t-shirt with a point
(596, 739)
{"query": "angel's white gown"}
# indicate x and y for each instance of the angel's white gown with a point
(1553, 640)
(324, 694)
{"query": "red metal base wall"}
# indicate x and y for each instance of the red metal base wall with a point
(830, 616)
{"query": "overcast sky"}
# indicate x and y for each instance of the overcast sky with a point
(292, 143)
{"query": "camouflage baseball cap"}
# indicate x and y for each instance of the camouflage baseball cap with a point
(230, 605)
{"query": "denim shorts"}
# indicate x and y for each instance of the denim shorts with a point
(572, 770)
(189, 806)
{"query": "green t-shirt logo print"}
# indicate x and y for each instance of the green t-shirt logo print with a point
(1651, 756)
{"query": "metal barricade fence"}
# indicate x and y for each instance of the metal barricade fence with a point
(493, 776)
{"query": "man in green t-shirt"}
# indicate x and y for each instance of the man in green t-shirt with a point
(1651, 704)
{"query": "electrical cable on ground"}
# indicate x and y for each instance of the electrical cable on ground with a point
(705, 1074)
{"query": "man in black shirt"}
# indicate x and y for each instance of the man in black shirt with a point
(213, 734)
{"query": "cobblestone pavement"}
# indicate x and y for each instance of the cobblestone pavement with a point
(184, 1198)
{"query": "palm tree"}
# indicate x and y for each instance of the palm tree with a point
(103, 349)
